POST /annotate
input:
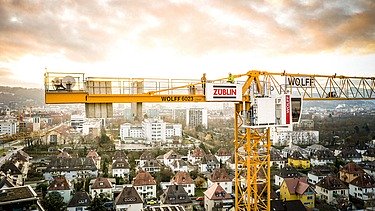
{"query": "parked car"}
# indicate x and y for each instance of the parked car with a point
(151, 202)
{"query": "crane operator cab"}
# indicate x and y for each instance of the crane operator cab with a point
(279, 111)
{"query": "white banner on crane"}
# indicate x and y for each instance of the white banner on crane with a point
(223, 92)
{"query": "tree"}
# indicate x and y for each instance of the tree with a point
(97, 203)
(53, 201)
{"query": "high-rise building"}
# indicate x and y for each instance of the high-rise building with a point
(8, 127)
(196, 116)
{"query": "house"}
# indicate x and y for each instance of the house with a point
(12, 171)
(176, 195)
(120, 168)
(119, 154)
(71, 168)
(297, 189)
(95, 156)
(329, 188)
(169, 157)
(21, 157)
(184, 180)
(361, 147)
(196, 156)
(151, 166)
(350, 155)
(368, 167)
(221, 177)
(317, 173)
(102, 186)
(208, 163)
(215, 197)
(287, 151)
(297, 160)
(146, 156)
(363, 188)
(223, 154)
(286, 172)
(179, 165)
(322, 157)
(369, 155)
(350, 171)
(129, 200)
(276, 159)
(145, 184)
(314, 148)
(80, 201)
(19, 198)
(58, 136)
(62, 186)
(6, 182)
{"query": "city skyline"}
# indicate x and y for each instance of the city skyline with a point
(184, 39)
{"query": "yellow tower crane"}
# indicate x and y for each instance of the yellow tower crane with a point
(262, 100)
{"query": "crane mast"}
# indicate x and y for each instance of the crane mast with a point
(251, 142)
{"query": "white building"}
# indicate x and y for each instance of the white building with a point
(129, 131)
(362, 187)
(91, 127)
(330, 188)
(284, 138)
(196, 116)
(151, 130)
(76, 122)
(145, 184)
(8, 127)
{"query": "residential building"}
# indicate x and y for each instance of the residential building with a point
(330, 188)
(196, 155)
(176, 195)
(284, 138)
(6, 182)
(196, 116)
(297, 189)
(119, 155)
(169, 157)
(76, 122)
(129, 131)
(12, 171)
(314, 148)
(297, 160)
(72, 168)
(19, 198)
(102, 186)
(120, 168)
(293, 205)
(318, 173)
(129, 200)
(231, 164)
(145, 184)
(215, 197)
(220, 176)
(369, 155)
(223, 154)
(8, 127)
(350, 171)
(184, 180)
(286, 172)
(350, 155)
(276, 159)
(179, 165)
(363, 188)
(322, 157)
(91, 126)
(80, 201)
(146, 156)
(95, 156)
(209, 163)
(152, 166)
(368, 167)
(61, 186)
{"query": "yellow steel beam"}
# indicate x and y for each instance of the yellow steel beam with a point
(65, 97)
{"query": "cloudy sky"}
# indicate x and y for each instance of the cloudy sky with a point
(183, 39)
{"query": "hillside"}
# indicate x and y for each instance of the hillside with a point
(21, 96)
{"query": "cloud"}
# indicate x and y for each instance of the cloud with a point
(86, 31)
(5, 72)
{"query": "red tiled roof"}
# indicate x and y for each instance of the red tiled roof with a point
(198, 152)
(296, 185)
(223, 152)
(352, 168)
(216, 192)
(59, 183)
(220, 175)
(143, 178)
(182, 177)
(101, 183)
(93, 154)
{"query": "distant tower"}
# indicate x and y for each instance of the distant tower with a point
(36, 123)
(196, 116)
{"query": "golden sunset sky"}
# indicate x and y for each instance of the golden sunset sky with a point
(183, 39)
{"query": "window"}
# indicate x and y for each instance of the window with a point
(310, 198)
